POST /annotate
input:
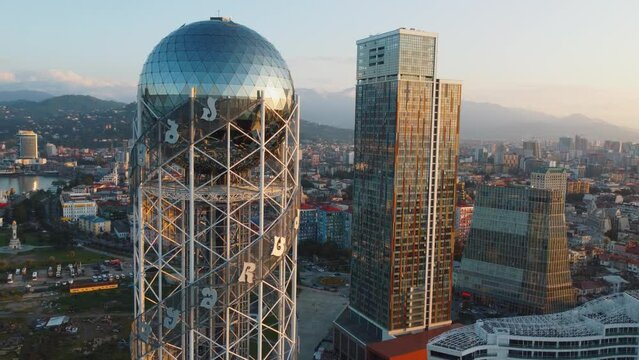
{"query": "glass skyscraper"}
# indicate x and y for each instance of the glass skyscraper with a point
(28, 144)
(517, 253)
(406, 148)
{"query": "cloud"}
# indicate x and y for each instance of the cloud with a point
(70, 77)
(7, 77)
(323, 73)
(61, 82)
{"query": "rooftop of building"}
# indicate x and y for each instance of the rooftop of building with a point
(75, 197)
(407, 344)
(588, 319)
(121, 226)
(552, 170)
(402, 30)
(26, 133)
(330, 208)
(93, 219)
(347, 320)
(591, 284)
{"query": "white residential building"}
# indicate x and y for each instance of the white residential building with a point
(75, 205)
(605, 328)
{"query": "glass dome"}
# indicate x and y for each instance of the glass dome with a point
(220, 59)
(228, 65)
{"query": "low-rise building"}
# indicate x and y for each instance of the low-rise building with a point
(121, 229)
(591, 287)
(616, 282)
(76, 205)
(607, 327)
(94, 225)
(578, 187)
(511, 161)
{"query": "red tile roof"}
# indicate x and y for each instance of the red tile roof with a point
(330, 208)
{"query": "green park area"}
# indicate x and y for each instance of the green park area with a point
(51, 248)
(36, 238)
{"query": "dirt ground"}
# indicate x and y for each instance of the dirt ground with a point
(102, 321)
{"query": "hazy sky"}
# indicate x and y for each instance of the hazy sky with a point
(556, 56)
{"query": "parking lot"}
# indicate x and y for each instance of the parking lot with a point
(317, 277)
(61, 275)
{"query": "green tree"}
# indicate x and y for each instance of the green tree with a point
(21, 213)
(306, 184)
(61, 239)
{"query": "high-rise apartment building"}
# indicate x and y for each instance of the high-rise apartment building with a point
(334, 225)
(532, 149)
(28, 144)
(406, 148)
(612, 146)
(581, 144)
(566, 148)
(517, 254)
(565, 144)
(550, 178)
(500, 151)
(308, 223)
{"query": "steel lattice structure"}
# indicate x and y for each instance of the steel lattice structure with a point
(215, 253)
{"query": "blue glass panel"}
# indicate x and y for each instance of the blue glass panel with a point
(211, 55)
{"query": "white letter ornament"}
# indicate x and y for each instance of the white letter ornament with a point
(247, 274)
(171, 317)
(209, 298)
(279, 245)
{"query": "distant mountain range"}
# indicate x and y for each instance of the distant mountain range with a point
(68, 104)
(28, 95)
(333, 116)
(479, 121)
(80, 120)
(484, 121)
(69, 120)
(328, 108)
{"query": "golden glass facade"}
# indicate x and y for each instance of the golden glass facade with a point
(516, 255)
(406, 146)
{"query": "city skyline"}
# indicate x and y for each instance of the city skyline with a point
(295, 180)
(563, 73)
